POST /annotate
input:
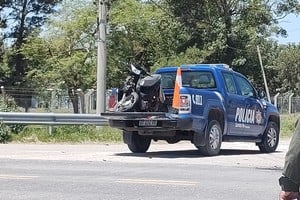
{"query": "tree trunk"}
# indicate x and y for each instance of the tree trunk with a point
(74, 99)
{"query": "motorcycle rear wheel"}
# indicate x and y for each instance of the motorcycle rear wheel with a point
(127, 103)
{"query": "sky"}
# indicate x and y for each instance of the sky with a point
(292, 24)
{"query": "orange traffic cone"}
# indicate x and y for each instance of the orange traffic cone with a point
(176, 94)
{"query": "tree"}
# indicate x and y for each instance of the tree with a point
(229, 31)
(149, 37)
(223, 26)
(165, 32)
(20, 19)
(67, 50)
(288, 66)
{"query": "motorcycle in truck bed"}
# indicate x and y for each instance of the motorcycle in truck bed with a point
(214, 104)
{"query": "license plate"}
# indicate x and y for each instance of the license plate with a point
(148, 123)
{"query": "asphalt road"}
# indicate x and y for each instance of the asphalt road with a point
(111, 172)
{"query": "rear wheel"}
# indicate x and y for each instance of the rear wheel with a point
(270, 138)
(213, 139)
(136, 143)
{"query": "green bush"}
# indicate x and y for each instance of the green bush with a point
(7, 104)
(5, 133)
(287, 124)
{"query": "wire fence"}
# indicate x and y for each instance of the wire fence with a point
(58, 101)
(287, 105)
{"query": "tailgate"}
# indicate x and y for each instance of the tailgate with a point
(147, 121)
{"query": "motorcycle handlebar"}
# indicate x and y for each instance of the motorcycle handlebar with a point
(128, 65)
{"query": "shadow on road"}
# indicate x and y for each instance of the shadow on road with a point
(190, 153)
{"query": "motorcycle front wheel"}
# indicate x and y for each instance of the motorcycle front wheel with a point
(127, 103)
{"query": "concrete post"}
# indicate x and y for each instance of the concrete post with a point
(81, 101)
(276, 99)
(290, 103)
(88, 100)
(101, 61)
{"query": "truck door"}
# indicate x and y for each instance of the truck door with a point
(249, 115)
(245, 114)
(232, 101)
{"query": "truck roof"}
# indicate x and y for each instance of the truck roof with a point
(194, 67)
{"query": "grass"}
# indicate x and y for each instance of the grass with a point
(287, 125)
(68, 134)
(92, 134)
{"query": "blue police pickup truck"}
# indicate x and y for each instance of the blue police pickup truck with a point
(216, 104)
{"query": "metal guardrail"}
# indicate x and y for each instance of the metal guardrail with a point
(52, 119)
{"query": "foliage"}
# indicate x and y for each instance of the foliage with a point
(70, 134)
(5, 133)
(7, 104)
(149, 37)
(36, 52)
(288, 67)
(66, 56)
(287, 125)
(164, 32)
(198, 32)
(229, 31)
(19, 19)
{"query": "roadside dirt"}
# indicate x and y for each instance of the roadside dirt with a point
(232, 154)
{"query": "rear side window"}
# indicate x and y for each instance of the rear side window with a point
(168, 80)
(200, 80)
(229, 83)
(193, 79)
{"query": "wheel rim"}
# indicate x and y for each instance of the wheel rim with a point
(214, 137)
(271, 137)
(127, 103)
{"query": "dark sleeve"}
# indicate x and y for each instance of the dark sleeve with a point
(288, 185)
(291, 172)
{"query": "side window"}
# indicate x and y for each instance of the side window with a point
(229, 83)
(245, 86)
(199, 80)
(168, 80)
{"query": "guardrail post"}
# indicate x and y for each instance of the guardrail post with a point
(50, 129)
(290, 103)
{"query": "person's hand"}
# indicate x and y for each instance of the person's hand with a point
(288, 195)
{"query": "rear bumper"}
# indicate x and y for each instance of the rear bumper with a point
(130, 121)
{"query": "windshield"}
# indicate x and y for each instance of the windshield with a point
(193, 79)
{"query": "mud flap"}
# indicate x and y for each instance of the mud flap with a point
(199, 139)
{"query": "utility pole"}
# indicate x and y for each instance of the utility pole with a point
(263, 73)
(101, 58)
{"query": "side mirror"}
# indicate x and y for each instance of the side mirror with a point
(261, 94)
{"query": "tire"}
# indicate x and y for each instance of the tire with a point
(127, 103)
(137, 143)
(213, 139)
(270, 138)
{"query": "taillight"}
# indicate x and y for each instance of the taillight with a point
(113, 99)
(111, 102)
(185, 104)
